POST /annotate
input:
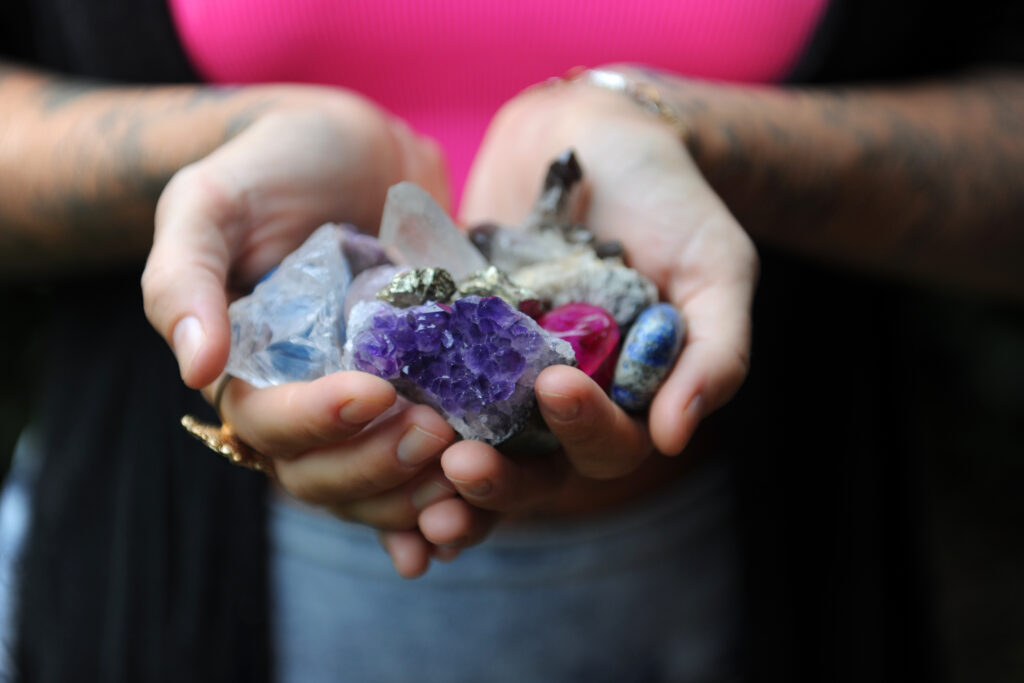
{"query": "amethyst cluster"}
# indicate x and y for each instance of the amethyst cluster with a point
(475, 359)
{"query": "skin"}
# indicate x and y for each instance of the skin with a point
(919, 182)
(793, 167)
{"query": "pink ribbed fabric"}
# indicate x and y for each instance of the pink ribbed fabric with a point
(447, 65)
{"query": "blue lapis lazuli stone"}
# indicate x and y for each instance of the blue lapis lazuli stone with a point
(648, 353)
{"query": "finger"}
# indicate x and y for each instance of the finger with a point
(599, 438)
(492, 481)
(409, 552)
(422, 162)
(455, 524)
(291, 418)
(397, 509)
(712, 366)
(445, 553)
(381, 457)
(184, 279)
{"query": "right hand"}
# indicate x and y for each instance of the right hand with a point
(225, 220)
(222, 222)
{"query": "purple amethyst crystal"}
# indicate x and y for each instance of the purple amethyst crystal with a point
(475, 360)
(363, 252)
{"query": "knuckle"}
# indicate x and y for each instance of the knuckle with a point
(360, 483)
(301, 485)
(385, 517)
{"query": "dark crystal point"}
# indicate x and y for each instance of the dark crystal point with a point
(564, 172)
(482, 237)
(610, 249)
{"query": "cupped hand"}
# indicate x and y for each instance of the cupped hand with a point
(646, 192)
(345, 443)
(314, 155)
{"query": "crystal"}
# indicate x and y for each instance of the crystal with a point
(475, 360)
(291, 326)
(583, 277)
(365, 286)
(494, 282)
(593, 334)
(647, 356)
(560, 195)
(420, 231)
(511, 249)
(610, 249)
(548, 232)
(418, 286)
(363, 251)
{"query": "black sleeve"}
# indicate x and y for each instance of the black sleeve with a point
(121, 41)
(15, 30)
(879, 40)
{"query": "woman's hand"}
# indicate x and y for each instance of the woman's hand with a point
(225, 220)
(340, 442)
(646, 192)
(345, 444)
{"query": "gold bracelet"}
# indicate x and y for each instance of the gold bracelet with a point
(644, 94)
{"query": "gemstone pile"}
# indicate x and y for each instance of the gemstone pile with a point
(463, 324)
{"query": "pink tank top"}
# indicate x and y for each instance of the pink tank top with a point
(446, 66)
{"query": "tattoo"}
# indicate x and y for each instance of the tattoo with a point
(202, 97)
(107, 167)
(56, 95)
(920, 178)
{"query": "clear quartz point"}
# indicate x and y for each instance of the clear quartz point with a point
(416, 228)
(292, 326)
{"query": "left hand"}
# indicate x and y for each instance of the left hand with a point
(646, 192)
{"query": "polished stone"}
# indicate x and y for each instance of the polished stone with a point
(648, 354)
(593, 334)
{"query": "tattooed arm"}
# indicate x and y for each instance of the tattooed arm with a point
(216, 186)
(82, 164)
(924, 181)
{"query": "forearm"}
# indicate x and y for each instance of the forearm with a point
(82, 164)
(923, 180)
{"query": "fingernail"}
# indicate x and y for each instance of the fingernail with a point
(357, 412)
(188, 338)
(430, 493)
(560, 406)
(418, 445)
(473, 488)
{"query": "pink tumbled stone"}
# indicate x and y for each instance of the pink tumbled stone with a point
(593, 334)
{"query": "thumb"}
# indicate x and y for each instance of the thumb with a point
(183, 285)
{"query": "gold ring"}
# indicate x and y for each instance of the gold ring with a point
(223, 440)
